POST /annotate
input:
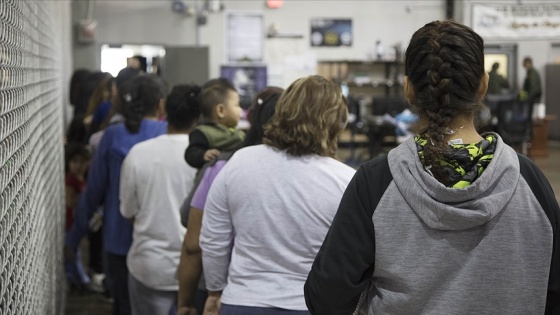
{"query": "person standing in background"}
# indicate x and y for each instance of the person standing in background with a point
(496, 82)
(532, 85)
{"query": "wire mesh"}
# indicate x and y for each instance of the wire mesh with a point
(31, 159)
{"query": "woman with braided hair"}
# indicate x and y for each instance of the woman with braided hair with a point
(449, 222)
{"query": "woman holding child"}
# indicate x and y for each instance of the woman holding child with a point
(273, 236)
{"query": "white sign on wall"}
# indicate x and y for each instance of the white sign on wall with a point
(516, 21)
(244, 37)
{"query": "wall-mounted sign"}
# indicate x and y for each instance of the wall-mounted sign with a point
(516, 21)
(247, 80)
(331, 32)
(244, 37)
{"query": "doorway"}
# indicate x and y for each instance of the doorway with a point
(176, 65)
(506, 56)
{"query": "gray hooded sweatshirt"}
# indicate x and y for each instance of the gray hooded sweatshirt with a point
(403, 243)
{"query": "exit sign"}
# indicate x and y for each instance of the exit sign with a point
(274, 4)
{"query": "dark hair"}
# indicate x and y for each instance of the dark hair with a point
(214, 92)
(445, 65)
(142, 100)
(495, 66)
(77, 89)
(103, 92)
(118, 106)
(72, 150)
(126, 75)
(97, 96)
(308, 118)
(261, 111)
(77, 132)
(163, 84)
(183, 106)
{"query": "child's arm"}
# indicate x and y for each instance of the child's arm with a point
(128, 195)
(198, 145)
(211, 154)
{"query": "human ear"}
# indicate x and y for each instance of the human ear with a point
(161, 108)
(409, 91)
(483, 87)
(220, 111)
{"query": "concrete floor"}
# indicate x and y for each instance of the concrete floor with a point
(95, 304)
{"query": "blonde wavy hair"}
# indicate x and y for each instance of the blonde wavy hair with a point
(309, 116)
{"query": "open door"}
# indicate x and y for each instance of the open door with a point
(552, 98)
(506, 56)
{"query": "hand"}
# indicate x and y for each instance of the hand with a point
(186, 310)
(211, 154)
(213, 305)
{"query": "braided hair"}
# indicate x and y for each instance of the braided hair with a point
(445, 65)
(142, 99)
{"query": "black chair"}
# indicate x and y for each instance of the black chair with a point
(356, 126)
(515, 122)
(487, 119)
(392, 105)
(382, 134)
(493, 100)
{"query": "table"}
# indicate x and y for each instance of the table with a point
(539, 139)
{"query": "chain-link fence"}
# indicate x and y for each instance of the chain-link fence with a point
(31, 156)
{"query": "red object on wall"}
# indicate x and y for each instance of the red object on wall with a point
(87, 31)
(274, 4)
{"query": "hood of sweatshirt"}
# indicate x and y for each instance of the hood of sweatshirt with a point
(444, 208)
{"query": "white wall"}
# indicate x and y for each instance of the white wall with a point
(541, 51)
(153, 22)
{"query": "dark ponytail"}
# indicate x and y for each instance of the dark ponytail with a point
(183, 106)
(142, 99)
(445, 65)
(262, 109)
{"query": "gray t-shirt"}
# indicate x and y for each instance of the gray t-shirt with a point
(275, 209)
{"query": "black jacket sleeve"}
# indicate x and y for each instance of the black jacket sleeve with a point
(198, 145)
(545, 195)
(343, 268)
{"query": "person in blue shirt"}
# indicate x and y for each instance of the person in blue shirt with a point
(143, 106)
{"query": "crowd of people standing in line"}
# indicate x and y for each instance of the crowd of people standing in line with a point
(199, 217)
